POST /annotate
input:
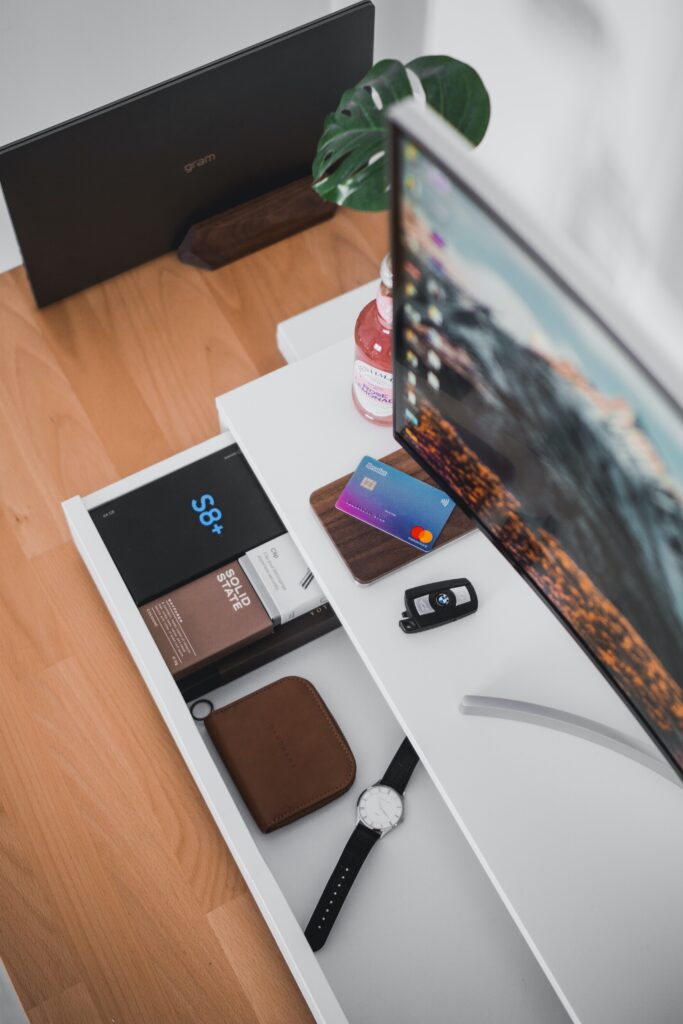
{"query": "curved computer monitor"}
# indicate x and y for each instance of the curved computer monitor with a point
(540, 419)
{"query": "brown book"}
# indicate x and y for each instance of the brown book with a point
(283, 640)
(205, 619)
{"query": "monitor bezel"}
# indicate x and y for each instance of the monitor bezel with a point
(417, 123)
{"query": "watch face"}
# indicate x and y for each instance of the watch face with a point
(380, 808)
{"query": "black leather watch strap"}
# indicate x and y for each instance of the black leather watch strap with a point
(356, 850)
(401, 768)
(330, 903)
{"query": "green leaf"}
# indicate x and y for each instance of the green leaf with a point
(457, 92)
(351, 165)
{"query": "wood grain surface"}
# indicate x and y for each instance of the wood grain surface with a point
(119, 901)
(369, 553)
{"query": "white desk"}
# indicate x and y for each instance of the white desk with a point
(315, 329)
(583, 845)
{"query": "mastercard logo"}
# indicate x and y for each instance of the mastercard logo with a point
(419, 533)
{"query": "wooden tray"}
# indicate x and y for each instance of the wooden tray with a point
(368, 552)
(243, 229)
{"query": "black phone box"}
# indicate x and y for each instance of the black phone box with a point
(185, 524)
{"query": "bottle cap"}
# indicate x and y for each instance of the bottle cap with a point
(386, 272)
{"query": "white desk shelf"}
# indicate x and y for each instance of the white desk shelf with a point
(422, 927)
(583, 845)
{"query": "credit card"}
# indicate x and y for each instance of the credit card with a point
(396, 503)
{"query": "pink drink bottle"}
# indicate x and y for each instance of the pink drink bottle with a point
(372, 385)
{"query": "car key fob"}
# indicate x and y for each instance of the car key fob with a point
(437, 603)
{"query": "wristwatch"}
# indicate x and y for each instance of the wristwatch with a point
(380, 810)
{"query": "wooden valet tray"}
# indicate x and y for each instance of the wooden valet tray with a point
(369, 553)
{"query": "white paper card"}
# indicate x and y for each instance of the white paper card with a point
(282, 579)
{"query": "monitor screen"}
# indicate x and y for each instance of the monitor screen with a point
(537, 419)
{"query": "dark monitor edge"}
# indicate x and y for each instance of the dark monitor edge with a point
(395, 132)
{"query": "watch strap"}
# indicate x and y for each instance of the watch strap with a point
(337, 889)
(401, 768)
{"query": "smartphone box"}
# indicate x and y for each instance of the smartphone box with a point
(187, 523)
(282, 580)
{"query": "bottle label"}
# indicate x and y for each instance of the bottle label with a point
(373, 389)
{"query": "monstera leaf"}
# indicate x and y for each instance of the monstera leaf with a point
(350, 166)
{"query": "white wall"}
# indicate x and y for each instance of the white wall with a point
(587, 129)
(587, 124)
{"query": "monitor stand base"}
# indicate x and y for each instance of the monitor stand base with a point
(576, 725)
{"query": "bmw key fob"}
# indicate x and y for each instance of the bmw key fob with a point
(437, 603)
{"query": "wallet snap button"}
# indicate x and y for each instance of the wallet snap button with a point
(201, 709)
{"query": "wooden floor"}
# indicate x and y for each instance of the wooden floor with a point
(119, 902)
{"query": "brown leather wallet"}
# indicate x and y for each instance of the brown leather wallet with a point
(284, 751)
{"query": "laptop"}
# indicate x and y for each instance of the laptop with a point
(104, 192)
